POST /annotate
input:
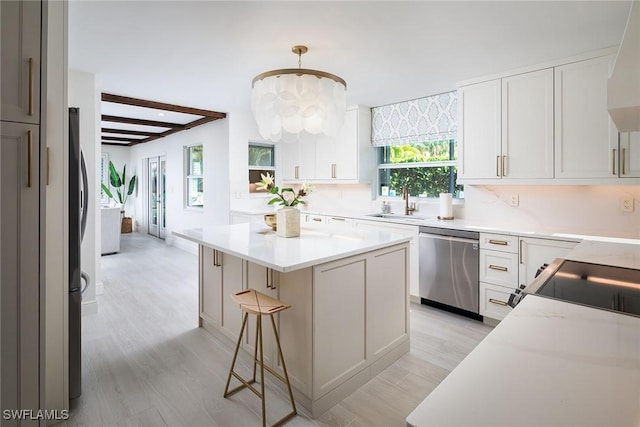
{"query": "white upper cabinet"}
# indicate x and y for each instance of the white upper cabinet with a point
(629, 155)
(585, 137)
(349, 158)
(506, 127)
(527, 125)
(20, 61)
(479, 130)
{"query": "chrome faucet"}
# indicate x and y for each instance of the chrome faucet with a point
(405, 195)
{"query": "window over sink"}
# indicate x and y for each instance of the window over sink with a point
(427, 169)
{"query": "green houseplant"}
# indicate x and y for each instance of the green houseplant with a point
(123, 191)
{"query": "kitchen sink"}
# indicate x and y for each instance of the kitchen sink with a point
(395, 216)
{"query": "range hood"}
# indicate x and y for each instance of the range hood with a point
(623, 87)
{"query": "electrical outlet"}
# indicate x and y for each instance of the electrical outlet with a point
(626, 204)
(514, 200)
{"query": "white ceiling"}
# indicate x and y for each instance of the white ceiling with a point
(204, 54)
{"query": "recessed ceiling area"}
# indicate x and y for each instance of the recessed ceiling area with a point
(129, 121)
(205, 53)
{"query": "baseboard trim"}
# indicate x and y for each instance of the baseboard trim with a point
(415, 298)
(99, 288)
(183, 244)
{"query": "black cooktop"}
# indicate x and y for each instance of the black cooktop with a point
(602, 286)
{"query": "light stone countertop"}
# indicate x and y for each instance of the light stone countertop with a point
(258, 243)
(549, 363)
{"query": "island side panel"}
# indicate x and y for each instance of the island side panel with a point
(387, 300)
(339, 349)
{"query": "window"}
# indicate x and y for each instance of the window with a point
(261, 161)
(193, 177)
(104, 176)
(427, 169)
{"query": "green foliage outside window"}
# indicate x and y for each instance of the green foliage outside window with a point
(430, 169)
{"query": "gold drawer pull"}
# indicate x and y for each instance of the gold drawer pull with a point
(498, 267)
(497, 301)
(317, 219)
(613, 161)
(498, 242)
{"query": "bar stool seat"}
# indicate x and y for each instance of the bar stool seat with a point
(259, 304)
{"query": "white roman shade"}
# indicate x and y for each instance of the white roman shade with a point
(420, 120)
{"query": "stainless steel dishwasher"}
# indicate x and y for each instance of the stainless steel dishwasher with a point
(449, 269)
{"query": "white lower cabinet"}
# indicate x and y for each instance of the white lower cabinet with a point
(498, 273)
(493, 300)
(501, 272)
(534, 252)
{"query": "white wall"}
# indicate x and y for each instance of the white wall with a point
(56, 370)
(214, 137)
(571, 209)
(84, 95)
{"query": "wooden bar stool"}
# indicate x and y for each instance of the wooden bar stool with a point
(254, 302)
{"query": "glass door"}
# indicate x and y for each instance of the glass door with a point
(156, 173)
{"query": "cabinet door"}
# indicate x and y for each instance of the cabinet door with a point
(307, 161)
(585, 135)
(232, 280)
(479, 130)
(210, 285)
(527, 125)
(387, 300)
(290, 167)
(262, 279)
(294, 327)
(535, 252)
(630, 154)
(20, 261)
(338, 305)
(325, 159)
(20, 61)
(345, 165)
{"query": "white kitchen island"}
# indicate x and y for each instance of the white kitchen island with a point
(349, 296)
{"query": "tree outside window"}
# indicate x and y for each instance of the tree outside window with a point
(194, 181)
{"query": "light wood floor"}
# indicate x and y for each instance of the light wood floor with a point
(146, 363)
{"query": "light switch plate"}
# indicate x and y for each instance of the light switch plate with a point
(626, 204)
(514, 200)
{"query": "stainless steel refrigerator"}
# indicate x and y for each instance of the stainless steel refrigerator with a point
(78, 205)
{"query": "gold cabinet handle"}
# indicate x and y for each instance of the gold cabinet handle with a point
(520, 255)
(498, 267)
(504, 166)
(498, 166)
(217, 259)
(270, 282)
(317, 219)
(297, 172)
(333, 171)
(624, 160)
(31, 86)
(333, 218)
(47, 166)
(498, 242)
(29, 155)
(613, 161)
(497, 301)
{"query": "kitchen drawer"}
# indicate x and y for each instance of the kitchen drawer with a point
(313, 220)
(493, 301)
(499, 268)
(499, 242)
(339, 221)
